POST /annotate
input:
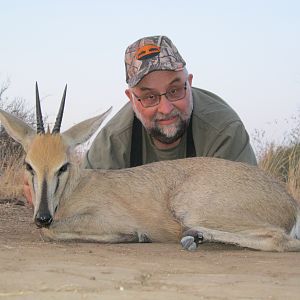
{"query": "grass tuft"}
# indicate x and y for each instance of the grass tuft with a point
(11, 176)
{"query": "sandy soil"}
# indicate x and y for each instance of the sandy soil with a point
(31, 268)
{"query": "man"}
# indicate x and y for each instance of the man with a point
(166, 118)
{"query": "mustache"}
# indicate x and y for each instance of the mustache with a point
(163, 117)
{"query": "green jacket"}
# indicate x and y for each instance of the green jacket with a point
(217, 132)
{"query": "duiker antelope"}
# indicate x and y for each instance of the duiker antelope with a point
(196, 200)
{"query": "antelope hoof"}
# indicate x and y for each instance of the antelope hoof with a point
(191, 239)
(188, 243)
(144, 238)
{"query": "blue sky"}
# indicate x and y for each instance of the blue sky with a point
(247, 52)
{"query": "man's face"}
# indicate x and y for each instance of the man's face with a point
(166, 121)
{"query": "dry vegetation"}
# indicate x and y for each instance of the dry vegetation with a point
(281, 161)
(11, 177)
(11, 153)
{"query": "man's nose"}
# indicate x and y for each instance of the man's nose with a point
(165, 106)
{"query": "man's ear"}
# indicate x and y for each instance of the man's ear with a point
(190, 79)
(129, 94)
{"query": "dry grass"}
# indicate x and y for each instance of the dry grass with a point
(282, 159)
(11, 153)
(11, 177)
(283, 162)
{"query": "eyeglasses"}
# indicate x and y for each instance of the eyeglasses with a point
(173, 94)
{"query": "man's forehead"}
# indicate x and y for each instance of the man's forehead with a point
(157, 79)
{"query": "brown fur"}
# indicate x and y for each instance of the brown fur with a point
(163, 199)
(47, 151)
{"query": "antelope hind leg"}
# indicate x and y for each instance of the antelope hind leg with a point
(265, 239)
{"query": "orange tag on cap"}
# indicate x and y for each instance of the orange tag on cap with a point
(147, 51)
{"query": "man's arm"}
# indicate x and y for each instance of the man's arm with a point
(108, 152)
(233, 143)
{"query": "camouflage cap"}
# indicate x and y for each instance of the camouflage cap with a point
(149, 54)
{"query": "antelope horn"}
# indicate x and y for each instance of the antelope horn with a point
(56, 128)
(39, 117)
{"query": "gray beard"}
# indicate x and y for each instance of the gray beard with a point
(159, 135)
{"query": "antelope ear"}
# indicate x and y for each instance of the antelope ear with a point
(82, 131)
(17, 129)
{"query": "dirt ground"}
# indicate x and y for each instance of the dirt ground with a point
(31, 268)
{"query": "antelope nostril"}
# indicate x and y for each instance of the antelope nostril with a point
(43, 220)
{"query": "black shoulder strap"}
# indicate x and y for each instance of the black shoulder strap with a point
(136, 152)
(190, 146)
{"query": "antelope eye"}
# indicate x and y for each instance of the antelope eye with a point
(63, 169)
(29, 168)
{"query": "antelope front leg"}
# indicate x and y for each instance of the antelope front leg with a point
(79, 228)
(112, 238)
